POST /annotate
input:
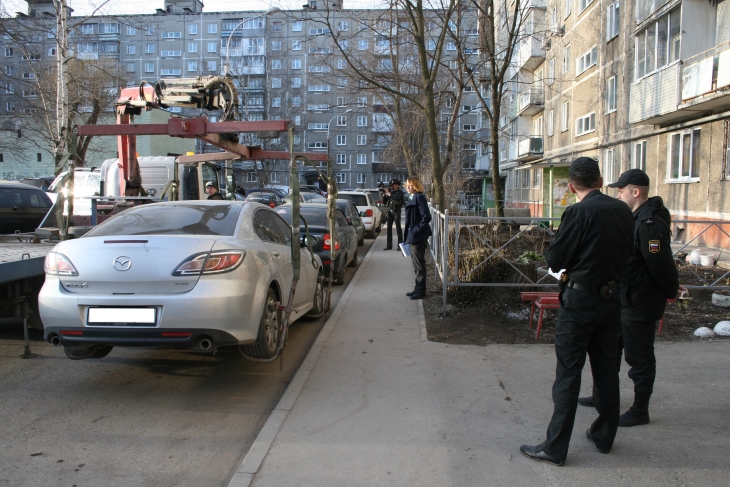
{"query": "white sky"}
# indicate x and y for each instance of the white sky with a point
(112, 7)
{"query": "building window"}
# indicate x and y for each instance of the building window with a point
(341, 140)
(296, 64)
(275, 177)
(174, 53)
(171, 35)
(684, 156)
(131, 49)
(212, 47)
(149, 30)
(251, 177)
(639, 159)
(88, 29)
(341, 82)
(276, 64)
(276, 102)
(131, 31)
(277, 26)
(612, 21)
(550, 123)
(362, 101)
(341, 177)
(340, 101)
(362, 159)
(362, 45)
(551, 72)
(525, 178)
(362, 121)
(341, 158)
(566, 59)
(537, 177)
(192, 47)
(39, 157)
(611, 96)
(361, 178)
(9, 106)
(658, 44)
(193, 29)
(341, 64)
(212, 28)
(610, 166)
(296, 26)
(276, 45)
(170, 72)
(586, 60)
(726, 166)
(9, 88)
(585, 124)
(276, 82)
(296, 101)
(296, 45)
(342, 121)
(564, 116)
(582, 4)
(319, 88)
(131, 67)
(149, 48)
(149, 67)
(362, 139)
(567, 7)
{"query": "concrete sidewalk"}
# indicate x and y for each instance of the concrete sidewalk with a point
(376, 405)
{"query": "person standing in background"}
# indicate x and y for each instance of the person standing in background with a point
(393, 199)
(417, 231)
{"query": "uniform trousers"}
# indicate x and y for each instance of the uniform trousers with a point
(418, 257)
(393, 216)
(637, 342)
(586, 324)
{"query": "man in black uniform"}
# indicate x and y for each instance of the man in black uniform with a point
(593, 244)
(393, 199)
(651, 278)
(212, 191)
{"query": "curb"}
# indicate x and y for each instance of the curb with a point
(255, 457)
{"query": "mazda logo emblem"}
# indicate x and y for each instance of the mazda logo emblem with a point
(122, 263)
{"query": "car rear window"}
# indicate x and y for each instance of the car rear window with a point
(358, 199)
(314, 216)
(23, 198)
(163, 219)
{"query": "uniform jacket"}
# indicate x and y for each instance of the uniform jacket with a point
(418, 218)
(651, 275)
(594, 241)
(394, 202)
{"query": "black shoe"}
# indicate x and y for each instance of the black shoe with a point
(411, 293)
(534, 453)
(590, 438)
(633, 417)
(586, 401)
(418, 295)
(388, 248)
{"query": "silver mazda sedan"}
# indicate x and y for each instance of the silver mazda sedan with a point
(197, 275)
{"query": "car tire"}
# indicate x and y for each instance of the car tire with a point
(267, 341)
(339, 277)
(317, 300)
(361, 241)
(353, 262)
(82, 353)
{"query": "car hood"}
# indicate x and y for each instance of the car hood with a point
(131, 264)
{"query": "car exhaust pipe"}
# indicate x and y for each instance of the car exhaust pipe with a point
(205, 344)
(55, 340)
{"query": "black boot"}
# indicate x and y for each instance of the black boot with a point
(637, 414)
(586, 401)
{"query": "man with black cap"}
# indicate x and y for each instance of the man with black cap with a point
(593, 244)
(650, 279)
(393, 199)
(212, 191)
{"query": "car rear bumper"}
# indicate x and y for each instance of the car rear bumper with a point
(185, 338)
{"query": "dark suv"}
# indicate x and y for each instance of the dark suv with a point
(22, 207)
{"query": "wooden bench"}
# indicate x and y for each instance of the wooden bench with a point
(542, 304)
(534, 296)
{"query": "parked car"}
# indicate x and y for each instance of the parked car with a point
(345, 237)
(196, 275)
(310, 188)
(305, 198)
(281, 192)
(22, 207)
(352, 215)
(378, 199)
(369, 211)
(42, 183)
(271, 200)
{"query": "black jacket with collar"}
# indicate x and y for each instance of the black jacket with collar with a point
(418, 218)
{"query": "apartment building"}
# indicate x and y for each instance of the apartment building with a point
(646, 85)
(285, 65)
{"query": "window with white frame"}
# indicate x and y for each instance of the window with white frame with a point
(276, 82)
(149, 67)
(343, 26)
(10, 106)
(131, 67)
(610, 166)
(612, 21)
(193, 29)
(586, 60)
(170, 72)
(550, 119)
(582, 4)
(362, 45)
(341, 120)
(296, 82)
(361, 178)
(149, 30)
(296, 45)
(341, 177)
(362, 121)
(131, 31)
(297, 119)
(131, 49)
(212, 28)
(341, 82)
(251, 177)
(611, 95)
(362, 101)
(318, 126)
(525, 178)
(296, 63)
(149, 48)
(551, 72)
(726, 166)
(341, 158)
(383, 177)
(585, 124)
(212, 47)
(212, 66)
(567, 8)
(319, 88)
(362, 158)
(173, 53)
(192, 47)
(171, 35)
(341, 140)
(276, 102)
(554, 18)
(566, 59)
(276, 64)
(469, 127)
(362, 139)
(341, 64)
(340, 101)
(684, 156)
(275, 178)
(296, 26)
(192, 66)
(88, 29)
(276, 45)
(296, 101)
(537, 177)
(638, 161)
(564, 116)
(658, 44)
(9, 88)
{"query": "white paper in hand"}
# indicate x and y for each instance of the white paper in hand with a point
(406, 249)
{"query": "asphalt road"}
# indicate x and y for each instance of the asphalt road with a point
(137, 417)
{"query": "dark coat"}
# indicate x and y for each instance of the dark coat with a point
(418, 218)
(651, 275)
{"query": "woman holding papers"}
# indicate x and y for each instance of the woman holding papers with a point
(417, 232)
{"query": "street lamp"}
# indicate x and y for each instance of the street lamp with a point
(329, 159)
(227, 65)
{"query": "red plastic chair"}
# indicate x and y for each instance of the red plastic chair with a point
(543, 304)
(661, 322)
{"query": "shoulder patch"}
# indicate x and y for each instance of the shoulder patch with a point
(654, 246)
(649, 221)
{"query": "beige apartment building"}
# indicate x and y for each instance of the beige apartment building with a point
(643, 84)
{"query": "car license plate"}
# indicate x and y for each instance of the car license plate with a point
(122, 317)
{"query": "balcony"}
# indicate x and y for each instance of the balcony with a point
(530, 53)
(531, 102)
(529, 149)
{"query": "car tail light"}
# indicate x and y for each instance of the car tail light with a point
(328, 242)
(272, 204)
(210, 263)
(368, 212)
(59, 265)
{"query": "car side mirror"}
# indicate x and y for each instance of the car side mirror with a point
(379, 205)
(307, 241)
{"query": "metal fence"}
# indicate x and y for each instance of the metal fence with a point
(447, 251)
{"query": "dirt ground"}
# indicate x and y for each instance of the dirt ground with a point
(480, 316)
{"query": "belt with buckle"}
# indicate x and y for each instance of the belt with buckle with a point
(580, 287)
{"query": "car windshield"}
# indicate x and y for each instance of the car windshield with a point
(23, 198)
(358, 199)
(165, 219)
(314, 216)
